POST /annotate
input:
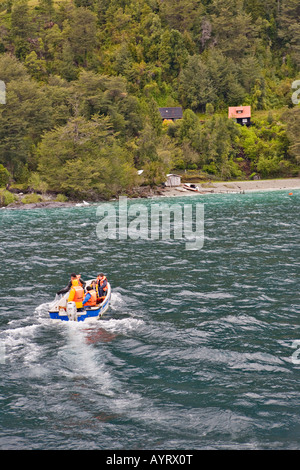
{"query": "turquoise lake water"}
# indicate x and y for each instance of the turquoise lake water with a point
(197, 351)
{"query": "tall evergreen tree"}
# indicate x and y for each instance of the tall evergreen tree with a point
(289, 31)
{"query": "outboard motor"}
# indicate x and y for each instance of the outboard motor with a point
(72, 311)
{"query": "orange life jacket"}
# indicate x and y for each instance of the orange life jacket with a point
(79, 293)
(101, 283)
(93, 300)
(76, 295)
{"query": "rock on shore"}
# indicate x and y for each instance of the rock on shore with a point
(37, 205)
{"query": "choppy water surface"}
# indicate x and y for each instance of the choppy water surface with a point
(196, 352)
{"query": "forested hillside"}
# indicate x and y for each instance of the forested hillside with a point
(85, 78)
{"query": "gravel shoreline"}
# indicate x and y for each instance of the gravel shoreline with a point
(289, 184)
(235, 187)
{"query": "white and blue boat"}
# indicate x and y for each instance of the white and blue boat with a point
(61, 309)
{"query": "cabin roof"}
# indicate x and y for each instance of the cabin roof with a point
(171, 113)
(239, 112)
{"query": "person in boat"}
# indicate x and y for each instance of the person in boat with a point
(102, 285)
(74, 278)
(94, 285)
(90, 299)
(76, 294)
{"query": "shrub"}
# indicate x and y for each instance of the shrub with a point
(31, 198)
(179, 164)
(61, 198)
(36, 183)
(6, 198)
(268, 166)
(211, 168)
(192, 166)
(4, 176)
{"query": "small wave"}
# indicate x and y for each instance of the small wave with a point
(124, 325)
(43, 308)
(245, 321)
(207, 295)
(19, 344)
(117, 300)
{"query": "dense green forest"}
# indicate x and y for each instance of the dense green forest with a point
(85, 78)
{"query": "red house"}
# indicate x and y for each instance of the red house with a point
(241, 114)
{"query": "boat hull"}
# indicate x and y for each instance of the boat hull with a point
(189, 188)
(90, 313)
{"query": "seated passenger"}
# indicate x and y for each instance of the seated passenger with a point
(102, 285)
(90, 299)
(93, 285)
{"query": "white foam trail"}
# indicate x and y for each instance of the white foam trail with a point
(81, 359)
